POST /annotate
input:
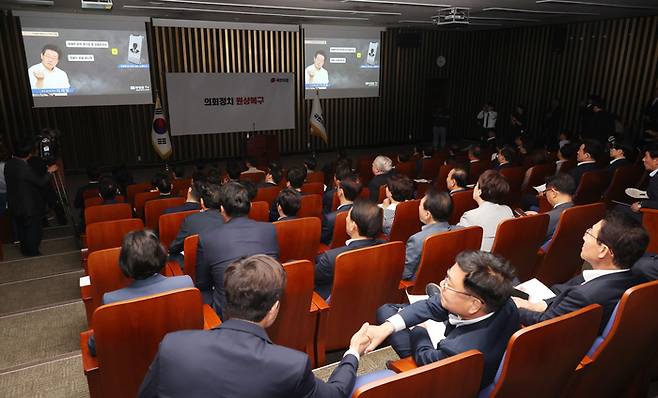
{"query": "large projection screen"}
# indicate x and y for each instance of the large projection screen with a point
(82, 60)
(341, 62)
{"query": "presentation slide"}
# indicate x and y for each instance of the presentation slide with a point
(342, 62)
(82, 61)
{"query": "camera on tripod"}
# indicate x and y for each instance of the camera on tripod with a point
(47, 145)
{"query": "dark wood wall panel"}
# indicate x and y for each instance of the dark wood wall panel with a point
(615, 58)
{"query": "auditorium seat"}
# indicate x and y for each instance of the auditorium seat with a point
(97, 201)
(406, 221)
(339, 236)
(267, 194)
(364, 279)
(442, 176)
(259, 211)
(455, 377)
(518, 240)
(180, 186)
(382, 194)
(108, 234)
(407, 168)
(439, 252)
(364, 169)
(140, 201)
(297, 320)
(299, 238)
(650, 223)
(537, 176)
(514, 177)
(430, 167)
(313, 188)
(618, 363)
(190, 245)
(315, 176)
(591, 187)
(311, 206)
(90, 193)
(461, 203)
(153, 209)
(133, 189)
(111, 212)
(253, 177)
(169, 225)
(127, 337)
(562, 258)
(540, 359)
(624, 177)
(477, 168)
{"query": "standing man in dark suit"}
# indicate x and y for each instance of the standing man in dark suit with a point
(363, 224)
(349, 189)
(237, 359)
(587, 155)
(475, 305)
(238, 237)
(208, 218)
(618, 155)
(611, 246)
(650, 162)
(382, 169)
(25, 197)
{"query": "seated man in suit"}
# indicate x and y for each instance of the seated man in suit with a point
(382, 169)
(208, 218)
(618, 154)
(93, 176)
(142, 258)
(237, 237)
(650, 161)
(343, 170)
(349, 189)
(564, 154)
(559, 193)
(587, 155)
(161, 182)
(295, 180)
(363, 224)
(250, 165)
(399, 188)
(611, 247)
(475, 305)
(193, 196)
(434, 210)
(272, 176)
(504, 158)
(489, 193)
(107, 190)
(237, 359)
(287, 203)
(457, 180)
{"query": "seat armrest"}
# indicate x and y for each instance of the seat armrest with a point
(210, 318)
(89, 362)
(402, 365)
(321, 330)
(404, 285)
(319, 302)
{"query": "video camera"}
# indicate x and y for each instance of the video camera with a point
(47, 145)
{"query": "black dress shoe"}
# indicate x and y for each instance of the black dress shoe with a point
(432, 289)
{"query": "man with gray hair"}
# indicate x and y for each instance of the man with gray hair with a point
(382, 169)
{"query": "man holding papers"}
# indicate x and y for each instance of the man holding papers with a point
(474, 302)
(650, 161)
(611, 247)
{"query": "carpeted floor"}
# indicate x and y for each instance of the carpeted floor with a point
(35, 267)
(60, 378)
(369, 363)
(23, 295)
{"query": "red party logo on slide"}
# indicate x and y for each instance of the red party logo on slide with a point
(160, 126)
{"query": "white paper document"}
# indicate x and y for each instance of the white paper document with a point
(537, 290)
(85, 281)
(540, 188)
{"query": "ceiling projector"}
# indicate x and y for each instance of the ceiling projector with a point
(451, 16)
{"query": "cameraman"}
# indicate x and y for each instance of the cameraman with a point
(25, 196)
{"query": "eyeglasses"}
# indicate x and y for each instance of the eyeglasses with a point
(599, 241)
(444, 286)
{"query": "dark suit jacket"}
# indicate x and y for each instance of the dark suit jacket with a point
(617, 164)
(554, 218)
(220, 246)
(578, 171)
(327, 200)
(328, 222)
(376, 182)
(499, 167)
(326, 262)
(195, 224)
(25, 196)
(184, 207)
(264, 184)
(652, 192)
(605, 290)
(488, 336)
(414, 247)
(646, 267)
(238, 359)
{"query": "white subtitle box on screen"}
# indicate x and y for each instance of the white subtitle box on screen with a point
(87, 44)
(314, 41)
(80, 57)
(343, 50)
(33, 33)
(337, 60)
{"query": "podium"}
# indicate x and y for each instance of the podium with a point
(263, 148)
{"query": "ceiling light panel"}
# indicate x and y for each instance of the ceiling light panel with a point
(267, 14)
(275, 7)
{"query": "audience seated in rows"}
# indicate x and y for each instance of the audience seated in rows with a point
(382, 169)
(474, 302)
(399, 188)
(222, 244)
(287, 203)
(434, 210)
(192, 198)
(238, 359)
(363, 224)
(559, 194)
(208, 218)
(611, 247)
(489, 193)
(142, 258)
(457, 180)
(349, 189)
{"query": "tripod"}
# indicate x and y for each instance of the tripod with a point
(57, 181)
